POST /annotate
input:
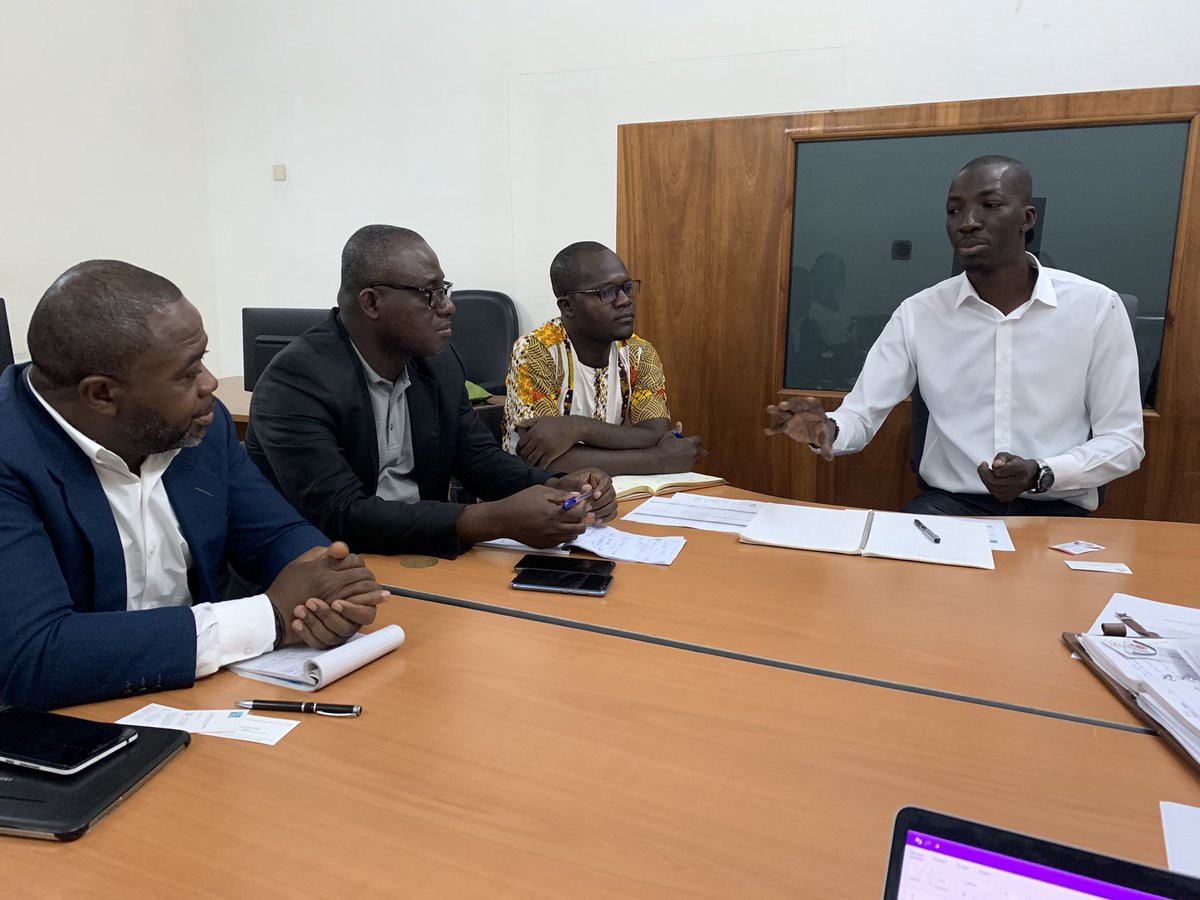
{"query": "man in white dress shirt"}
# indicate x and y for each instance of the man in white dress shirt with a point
(123, 493)
(1030, 374)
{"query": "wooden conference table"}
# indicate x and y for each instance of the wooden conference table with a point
(500, 757)
(992, 636)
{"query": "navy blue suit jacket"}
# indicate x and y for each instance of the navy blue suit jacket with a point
(65, 634)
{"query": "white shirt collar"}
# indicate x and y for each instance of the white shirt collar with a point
(98, 453)
(1043, 290)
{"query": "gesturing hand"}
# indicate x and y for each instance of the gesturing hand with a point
(1009, 476)
(545, 439)
(803, 419)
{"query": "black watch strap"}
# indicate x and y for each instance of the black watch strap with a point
(836, 432)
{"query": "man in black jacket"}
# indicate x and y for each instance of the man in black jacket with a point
(362, 421)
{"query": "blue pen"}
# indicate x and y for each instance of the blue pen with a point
(680, 435)
(571, 501)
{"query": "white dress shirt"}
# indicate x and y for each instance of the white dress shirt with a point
(393, 435)
(1056, 380)
(157, 557)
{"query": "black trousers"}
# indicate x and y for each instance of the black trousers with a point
(936, 502)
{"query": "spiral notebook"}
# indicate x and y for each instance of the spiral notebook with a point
(962, 542)
(306, 669)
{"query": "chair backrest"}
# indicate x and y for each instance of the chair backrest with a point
(484, 330)
(6, 347)
(266, 331)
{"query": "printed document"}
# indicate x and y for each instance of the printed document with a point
(697, 511)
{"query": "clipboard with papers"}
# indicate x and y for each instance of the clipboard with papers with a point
(1148, 655)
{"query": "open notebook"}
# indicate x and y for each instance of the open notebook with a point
(870, 533)
(631, 486)
(306, 669)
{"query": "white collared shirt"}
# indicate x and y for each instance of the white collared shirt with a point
(157, 557)
(393, 434)
(1056, 380)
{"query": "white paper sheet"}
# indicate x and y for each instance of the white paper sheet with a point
(964, 542)
(235, 724)
(1162, 618)
(612, 543)
(1113, 568)
(807, 528)
(1077, 547)
(1181, 833)
(998, 535)
(508, 544)
(697, 511)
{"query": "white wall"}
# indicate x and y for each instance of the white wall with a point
(101, 153)
(489, 127)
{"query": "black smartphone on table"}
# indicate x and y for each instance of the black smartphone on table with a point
(61, 745)
(565, 564)
(588, 583)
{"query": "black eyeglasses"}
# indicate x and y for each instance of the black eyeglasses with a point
(608, 293)
(438, 297)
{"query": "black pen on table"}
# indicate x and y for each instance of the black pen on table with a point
(321, 709)
(679, 434)
(925, 531)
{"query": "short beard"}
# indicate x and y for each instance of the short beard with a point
(151, 433)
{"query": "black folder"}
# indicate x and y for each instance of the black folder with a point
(65, 807)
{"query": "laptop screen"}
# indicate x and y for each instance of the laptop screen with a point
(934, 867)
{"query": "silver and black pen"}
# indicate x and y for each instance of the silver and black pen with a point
(321, 709)
(925, 531)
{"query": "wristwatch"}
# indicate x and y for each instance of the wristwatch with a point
(1044, 480)
(832, 438)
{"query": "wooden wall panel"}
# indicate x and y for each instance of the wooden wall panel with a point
(704, 219)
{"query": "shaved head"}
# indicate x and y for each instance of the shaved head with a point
(364, 254)
(94, 320)
(1016, 175)
(564, 269)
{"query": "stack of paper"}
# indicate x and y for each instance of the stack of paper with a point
(609, 542)
(1163, 674)
(306, 669)
(697, 511)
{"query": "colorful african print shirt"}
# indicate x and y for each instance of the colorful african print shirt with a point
(546, 378)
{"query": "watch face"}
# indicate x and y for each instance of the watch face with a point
(1045, 479)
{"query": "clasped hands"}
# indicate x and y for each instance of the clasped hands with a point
(325, 596)
(803, 419)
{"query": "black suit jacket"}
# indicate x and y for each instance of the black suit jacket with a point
(312, 432)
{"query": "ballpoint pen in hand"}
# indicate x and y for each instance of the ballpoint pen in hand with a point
(679, 434)
(321, 709)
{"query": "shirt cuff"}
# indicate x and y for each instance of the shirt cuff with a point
(839, 442)
(1066, 469)
(232, 631)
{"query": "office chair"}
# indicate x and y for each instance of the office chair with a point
(485, 329)
(266, 331)
(6, 347)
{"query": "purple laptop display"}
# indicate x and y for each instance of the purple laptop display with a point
(938, 856)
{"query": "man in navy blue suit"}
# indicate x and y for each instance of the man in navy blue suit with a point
(124, 492)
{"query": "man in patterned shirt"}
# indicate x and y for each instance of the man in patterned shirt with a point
(583, 389)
